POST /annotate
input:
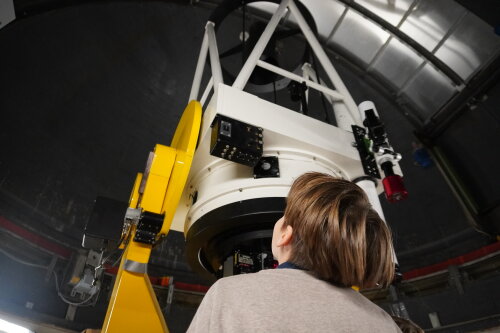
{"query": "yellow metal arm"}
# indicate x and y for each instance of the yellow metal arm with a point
(133, 306)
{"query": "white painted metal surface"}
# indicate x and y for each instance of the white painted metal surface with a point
(249, 65)
(301, 143)
(330, 92)
(208, 88)
(346, 113)
(200, 65)
(365, 106)
(214, 55)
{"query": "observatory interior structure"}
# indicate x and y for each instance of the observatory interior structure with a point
(148, 148)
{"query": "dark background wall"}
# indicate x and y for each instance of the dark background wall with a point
(470, 144)
(85, 93)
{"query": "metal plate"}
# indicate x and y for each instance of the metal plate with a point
(397, 63)
(472, 44)
(430, 89)
(391, 11)
(359, 36)
(431, 20)
(326, 14)
(7, 13)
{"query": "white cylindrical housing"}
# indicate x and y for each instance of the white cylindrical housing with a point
(224, 204)
(222, 182)
(365, 106)
(301, 144)
(371, 191)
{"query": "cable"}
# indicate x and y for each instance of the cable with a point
(7, 254)
(61, 296)
(117, 260)
(65, 300)
(103, 261)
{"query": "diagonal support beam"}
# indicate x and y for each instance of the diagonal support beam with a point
(346, 113)
(258, 49)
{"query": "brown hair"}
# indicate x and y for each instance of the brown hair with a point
(336, 234)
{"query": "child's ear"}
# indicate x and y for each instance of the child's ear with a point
(286, 236)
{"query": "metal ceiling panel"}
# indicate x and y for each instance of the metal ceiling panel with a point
(7, 13)
(391, 11)
(397, 63)
(263, 6)
(472, 44)
(440, 41)
(358, 36)
(429, 89)
(430, 20)
(326, 14)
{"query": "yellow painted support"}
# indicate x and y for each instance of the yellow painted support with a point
(157, 179)
(134, 195)
(184, 141)
(133, 202)
(133, 306)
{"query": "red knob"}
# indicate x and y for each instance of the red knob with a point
(394, 188)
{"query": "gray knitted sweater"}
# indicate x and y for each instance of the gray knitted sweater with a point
(286, 300)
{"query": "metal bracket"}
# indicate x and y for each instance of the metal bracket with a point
(455, 278)
(367, 158)
(135, 266)
(170, 295)
(148, 227)
(50, 269)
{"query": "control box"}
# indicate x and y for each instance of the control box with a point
(236, 141)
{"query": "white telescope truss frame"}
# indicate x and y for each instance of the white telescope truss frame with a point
(344, 108)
